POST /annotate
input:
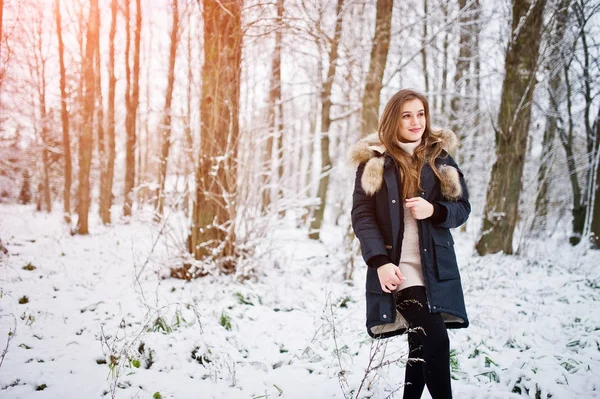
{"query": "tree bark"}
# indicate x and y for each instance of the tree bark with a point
(424, 45)
(42, 125)
(317, 220)
(189, 150)
(213, 216)
(64, 116)
(275, 115)
(86, 140)
(595, 222)
(501, 211)
(109, 171)
(443, 96)
(99, 111)
(556, 94)
(165, 125)
(379, 53)
(463, 64)
(1, 13)
(130, 120)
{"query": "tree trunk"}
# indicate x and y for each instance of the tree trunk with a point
(317, 221)
(109, 171)
(463, 63)
(556, 95)
(64, 116)
(165, 125)
(39, 69)
(86, 140)
(307, 151)
(587, 62)
(130, 120)
(279, 126)
(45, 161)
(99, 112)
(566, 138)
(1, 12)
(190, 163)
(148, 143)
(595, 200)
(476, 33)
(501, 209)
(44, 131)
(424, 45)
(446, 44)
(379, 53)
(213, 216)
(275, 115)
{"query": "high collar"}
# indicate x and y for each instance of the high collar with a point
(409, 148)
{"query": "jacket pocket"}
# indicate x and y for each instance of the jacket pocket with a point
(445, 257)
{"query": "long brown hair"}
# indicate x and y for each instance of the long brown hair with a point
(427, 151)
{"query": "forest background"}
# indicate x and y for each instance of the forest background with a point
(235, 117)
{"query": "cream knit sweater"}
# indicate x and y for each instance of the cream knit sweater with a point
(410, 258)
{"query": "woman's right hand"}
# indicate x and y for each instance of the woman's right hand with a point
(389, 277)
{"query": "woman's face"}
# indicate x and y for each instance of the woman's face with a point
(412, 121)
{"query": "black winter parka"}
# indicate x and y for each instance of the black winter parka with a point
(378, 222)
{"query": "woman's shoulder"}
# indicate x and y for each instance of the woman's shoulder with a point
(445, 138)
(365, 149)
(368, 155)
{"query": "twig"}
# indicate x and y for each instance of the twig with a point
(11, 334)
(342, 373)
(374, 350)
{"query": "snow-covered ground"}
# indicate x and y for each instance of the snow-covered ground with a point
(90, 329)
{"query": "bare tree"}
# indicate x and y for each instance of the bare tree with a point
(595, 192)
(108, 166)
(132, 100)
(579, 70)
(87, 135)
(165, 125)
(445, 58)
(424, 43)
(189, 164)
(462, 103)
(504, 189)
(99, 108)
(1, 12)
(317, 220)
(213, 216)
(275, 116)
(64, 116)
(36, 62)
(556, 93)
(379, 53)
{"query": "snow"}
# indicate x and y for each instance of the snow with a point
(532, 325)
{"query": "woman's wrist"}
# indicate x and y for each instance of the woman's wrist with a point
(439, 213)
(378, 260)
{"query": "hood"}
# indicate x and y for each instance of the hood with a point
(370, 146)
(370, 150)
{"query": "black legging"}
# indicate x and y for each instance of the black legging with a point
(428, 344)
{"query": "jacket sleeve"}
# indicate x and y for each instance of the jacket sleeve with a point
(457, 212)
(364, 221)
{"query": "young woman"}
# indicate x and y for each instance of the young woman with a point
(408, 193)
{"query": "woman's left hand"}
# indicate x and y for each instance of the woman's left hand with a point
(419, 208)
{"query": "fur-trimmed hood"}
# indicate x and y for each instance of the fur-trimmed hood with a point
(371, 150)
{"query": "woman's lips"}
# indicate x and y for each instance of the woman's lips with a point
(416, 130)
